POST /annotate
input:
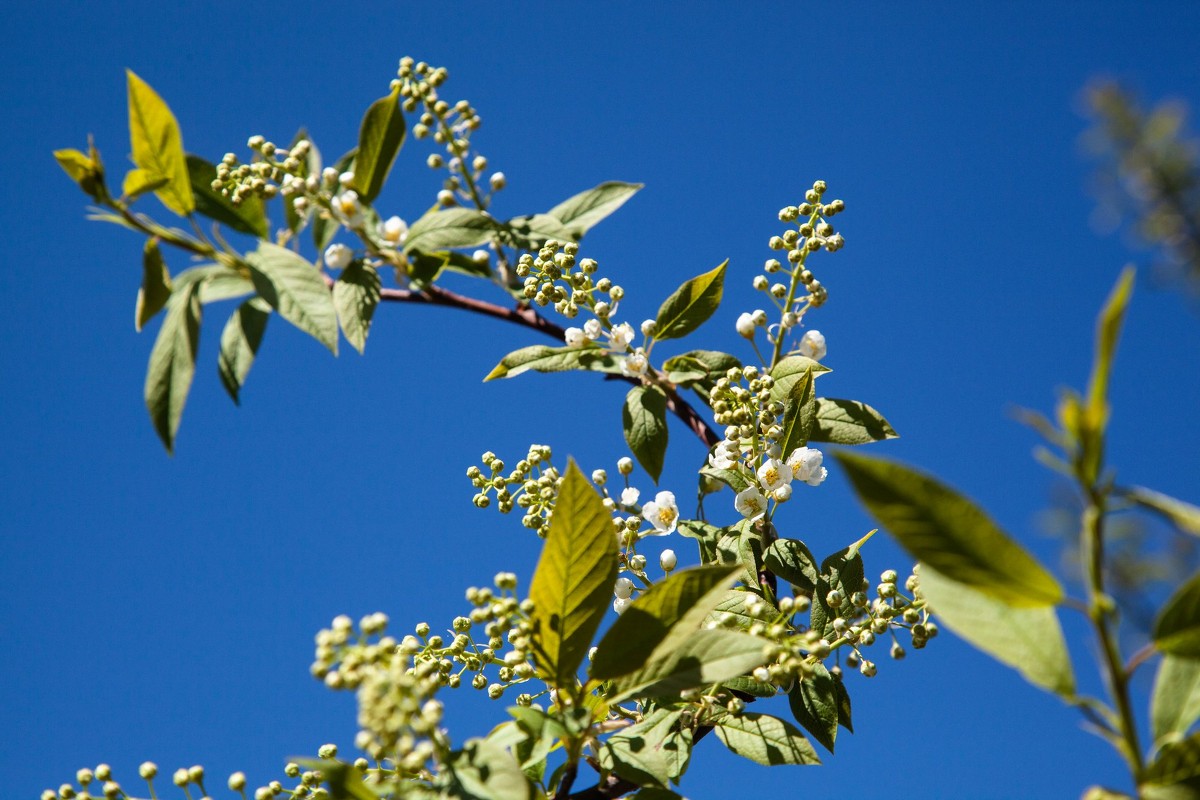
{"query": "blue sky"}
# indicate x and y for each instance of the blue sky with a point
(163, 608)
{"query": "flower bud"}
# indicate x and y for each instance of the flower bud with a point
(148, 770)
(667, 560)
(497, 181)
(745, 325)
(625, 465)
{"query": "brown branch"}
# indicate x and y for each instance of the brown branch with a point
(529, 318)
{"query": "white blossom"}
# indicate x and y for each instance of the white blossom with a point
(592, 329)
(623, 588)
(347, 205)
(346, 178)
(783, 493)
(621, 603)
(721, 458)
(629, 496)
(805, 463)
(812, 344)
(667, 560)
(750, 503)
(635, 364)
(773, 474)
(338, 256)
(620, 337)
(395, 230)
(662, 513)
(574, 337)
(745, 325)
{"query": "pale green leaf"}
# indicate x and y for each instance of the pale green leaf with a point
(157, 144)
(247, 217)
(452, 227)
(791, 560)
(1175, 703)
(799, 415)
(706, 657)
(767, 740)
(659, 620)
(652, 752)
(644, 419)
(582, 211)
(1175, 764)
(295, 289)
(379, 140)
(1184, 516)
(1108, 329)
(532, 231)
(239, 344)
(85, 171)
(173, 363)
(691, 304)
(156, 285)
(140, 181)
(942, 528)
(1177, 628)
(541, 358)
(1027, 638)
(848, 422)
(355, 296)
(790, 370)
(699, 366)
(485, 771)
(573, 582)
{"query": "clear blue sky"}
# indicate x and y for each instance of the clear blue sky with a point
(164, 608)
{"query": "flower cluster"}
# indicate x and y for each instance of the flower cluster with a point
(532, 485)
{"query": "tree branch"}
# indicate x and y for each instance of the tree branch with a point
(526, 316)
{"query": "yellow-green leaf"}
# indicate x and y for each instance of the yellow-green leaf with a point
(691, 304)
(158, 145)
(767, 740)
(573, 583)
(86, 171)
(140, 181)
(940, 527)
(704, 658)
(1175, 703)
(247, 217)
(1027, 638)
(1108, 329)
(379, 140)
(156, 285)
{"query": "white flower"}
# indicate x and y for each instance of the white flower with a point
(346, 204)
(806, 465)
(721, 458)
(812, 344)
(623, 588)
(620, 337)
(745, 325)
(635, 364)
(662, 513)
(395, 230)
(750, 503)
(667, 560)
(773, 474)
(620, 604)
(346, 178)
(338, 256)
(629, 496)
(574, 337)
(592, 329)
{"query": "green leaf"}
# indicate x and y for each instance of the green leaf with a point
(1175, 763)
(791, 560)
(1027, 638)
(706, 657)
(644, 418)
(157, 144)
(842, 571)
(531, 231)
(582, 211)
(214, 282)
(156, 285)
(379, 140)
(140, 181)
(295, 289)
(659, 620)
(1108, 329)
(748, 685)
(652, 752)
(355, 296)
(699, 366)
(849, 422)
(1175, 703)
(790, 370)
(706, 537)
(766, 740)
(239, 344)
(814, 703)
(173, 363)
(942, 528)
(485, 771)
(573, 581)
(247, 217)
(799, 415)
(730, 477)
(1184, 516)
(691, 304)
(843, 699)
(1188, 789)
(344, 781)
(733, 604)
(541, 358)
(453, 227)
(86, 171)
(1177, 629)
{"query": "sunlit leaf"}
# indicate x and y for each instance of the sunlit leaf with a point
(157, 145)
(295, 289)
(173, 363)
(379, 140)
(644, 419)
(814, 704)
(541, 358)
(764, 739)
(239, 344)
(1175, 703)
(156, 285)
(848, 422)
(652, 752)
(355, 296)
(452, 227)
(1177, 629)
(580, 212)
(691, 304)
(247, 217)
